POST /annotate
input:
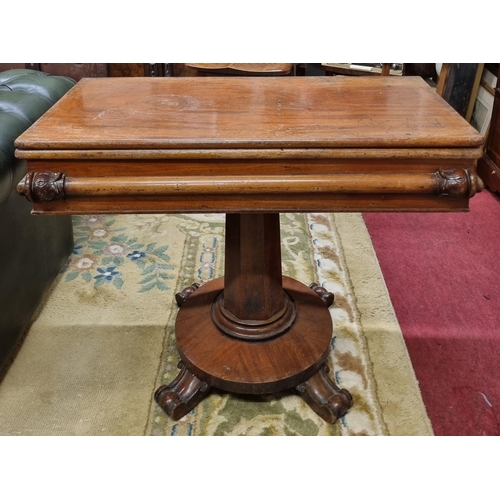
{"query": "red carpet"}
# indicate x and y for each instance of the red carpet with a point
(443, 275)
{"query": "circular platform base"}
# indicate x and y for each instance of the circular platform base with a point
(254, 367)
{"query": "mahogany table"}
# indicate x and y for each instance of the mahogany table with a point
(251, 148)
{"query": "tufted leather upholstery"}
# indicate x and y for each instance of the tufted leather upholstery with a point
(32, 249)
(24, 96)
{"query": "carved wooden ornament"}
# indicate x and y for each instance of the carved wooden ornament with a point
(457, 183)
(42, 186)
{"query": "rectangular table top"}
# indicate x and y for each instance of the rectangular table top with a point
(250, 113)
(250, 144)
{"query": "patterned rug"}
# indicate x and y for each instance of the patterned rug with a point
(104, 341)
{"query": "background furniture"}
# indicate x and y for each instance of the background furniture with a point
(489, 166)
(241, 69)
(33, 249)
(458, 85)
(364, 69)
(77, 71)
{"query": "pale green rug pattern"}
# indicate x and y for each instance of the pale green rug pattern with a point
(104, 339)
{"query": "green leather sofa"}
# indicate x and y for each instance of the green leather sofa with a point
(33, 249)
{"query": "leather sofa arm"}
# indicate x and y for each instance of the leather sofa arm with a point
(25, 95)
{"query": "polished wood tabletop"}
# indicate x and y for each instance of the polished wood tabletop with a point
(222, 144)
(256, 113)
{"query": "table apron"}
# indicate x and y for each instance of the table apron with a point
(224, 193)
(457, 183)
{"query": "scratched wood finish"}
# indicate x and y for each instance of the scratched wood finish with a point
(351, 183)
(294, 112)
(132, 135)
(259, 203)
(407, 154)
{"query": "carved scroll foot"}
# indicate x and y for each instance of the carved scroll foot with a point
(181, 297)
(184, 393)
(326, 296)
(324, 397)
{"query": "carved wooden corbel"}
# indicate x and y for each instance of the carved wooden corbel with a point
(42, 186)
(182, 296)
(326, 296)
(458, 183)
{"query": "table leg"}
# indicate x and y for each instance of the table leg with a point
(254, 331)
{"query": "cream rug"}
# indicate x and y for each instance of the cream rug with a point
(103, 340)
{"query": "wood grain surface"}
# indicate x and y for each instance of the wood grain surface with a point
(253, 112)
(122, 145)
(254, 367)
